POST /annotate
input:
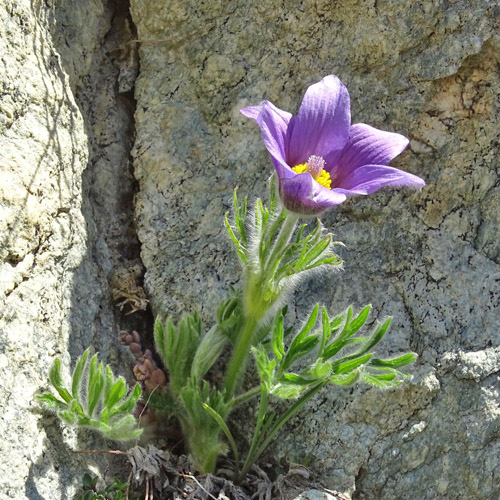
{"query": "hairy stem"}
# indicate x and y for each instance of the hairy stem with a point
(243, 398)
(284, 236)
(255, 452)
(239, 359)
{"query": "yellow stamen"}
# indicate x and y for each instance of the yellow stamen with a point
(323, 178)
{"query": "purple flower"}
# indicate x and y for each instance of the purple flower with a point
(320, 158)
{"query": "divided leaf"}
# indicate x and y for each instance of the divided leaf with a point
(335, 334)
(101, 404)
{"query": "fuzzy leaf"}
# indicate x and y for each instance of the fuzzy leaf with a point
(77, 373)
(359, 321)
(316, 250)
(277, 338)
(68, 416)
(348, 366)
(299, 350)
(376, 337)
(159, 336)
(311, 321)
(129, 403)
(123, 429)
(384, 381)
(293, 378)
(394, 363)
(287, 391)
(319, 369)
(95, 384)
(56, 380)
(345, 379)
(117, 392)
(348, 330)
(50, 401)
(208, 351)
(265, 366)
(99, 412)
(326, 330)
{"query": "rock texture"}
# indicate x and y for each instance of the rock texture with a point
(432, 259)
(428, 70)
(65, 106)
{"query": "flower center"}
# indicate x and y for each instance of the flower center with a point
(315, 166)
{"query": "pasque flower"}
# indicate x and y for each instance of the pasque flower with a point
(320, 158)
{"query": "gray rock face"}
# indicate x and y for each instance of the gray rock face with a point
(315, 495)
(43, 153)
(428, 70)
(60, 113)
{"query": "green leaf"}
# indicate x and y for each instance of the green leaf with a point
(259, 213)
(311, 321)
(88, 481)
(327, 260)
(123, 429)
(240, 250)
(178, 345)
(109, 382)
(319, 369)
(225, 429)
(159, 336)
(102, 393)
(394, 363)
(348, 330)
(130, 402)
(384, 381)
(300, 232)
(88, 495)
(317, 250)
(345, 379)
(337, 321)
(75, 407)
(265, 366)
(208, 351)
(68, 416)
(240, 216)
(117, 392)
(376, 337)
(77, 373)
(298, 351)
(348, 366)
(56, 380)
(50, 401)
(277, 338)
(359, 321)
(288, 391)
(326, 330)
(95, 385)
(293, 378)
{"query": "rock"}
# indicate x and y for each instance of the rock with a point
(59, 114)
(430, 258)
(428, 70)
(316, 495)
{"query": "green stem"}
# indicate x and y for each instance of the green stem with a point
(243, 398)
(238, 361)
(254, 455)
(263, 404)
(284, 236)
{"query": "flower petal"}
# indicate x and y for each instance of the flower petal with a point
(275, 126)
(366, 146)
(322, 123)
(301, 194)
(369, 178)
(251, 111)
